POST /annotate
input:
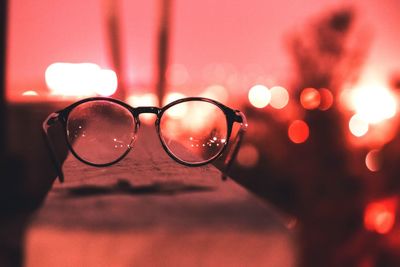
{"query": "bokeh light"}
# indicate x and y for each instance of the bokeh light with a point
(345, 99)
(358, 127)
(248, 156)
(373, 160)
(171, 97)
(310, 98)
(291, 223)
(374, 104)
(259, 96)
(298, 131)
(380, 216)
(180, 110)
(80, 79)
(107, 82)
(279, 97)
(326, 99)
(216, 92)
(30, 93)
(145, 100)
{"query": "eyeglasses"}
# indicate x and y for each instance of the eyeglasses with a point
(193, 131)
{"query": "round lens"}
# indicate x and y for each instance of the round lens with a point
(194, 131)
(100, 132)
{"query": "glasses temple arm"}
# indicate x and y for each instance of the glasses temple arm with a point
(235, 144)
(51, 120)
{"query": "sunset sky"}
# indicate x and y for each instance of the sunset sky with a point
(246, 37)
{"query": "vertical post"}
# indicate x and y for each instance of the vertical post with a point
(163, 41)
(3, 43)
(113, 30)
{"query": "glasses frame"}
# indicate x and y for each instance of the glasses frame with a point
(231, 115)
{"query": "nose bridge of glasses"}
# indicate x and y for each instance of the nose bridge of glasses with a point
(143, 110)
(148, 113)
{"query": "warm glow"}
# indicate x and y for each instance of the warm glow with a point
(30, 93)
(216, 92)
(107, 82)
(179, 111)
(374, 104)
(80, 79)
(326, 99)
(380, 216)
(146, 100)
(358, 127)
(310, 98)
(171, 97)
(259, 96)
(279, 97)
(291, 223)
(248, 156)
(373, 160)
(345, 99)
(298, 131)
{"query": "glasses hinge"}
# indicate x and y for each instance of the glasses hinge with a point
(53, 119)
(238, 117)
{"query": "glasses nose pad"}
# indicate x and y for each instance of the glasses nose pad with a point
(135, 131)
(157, 125)
(137, 124)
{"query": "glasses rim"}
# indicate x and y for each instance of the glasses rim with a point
(228, 124)
(65, 116)
(136, 111)
(231, 116)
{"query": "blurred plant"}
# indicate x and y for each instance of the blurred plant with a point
(323, 59)
(317, 174)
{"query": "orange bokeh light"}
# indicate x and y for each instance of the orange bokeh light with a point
(310, 98)
(373, 160)
(298, 131)
(248, 156)
(380, 216)
(326, 99)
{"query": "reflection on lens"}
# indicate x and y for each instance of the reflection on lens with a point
(194, 131)
(100, 132)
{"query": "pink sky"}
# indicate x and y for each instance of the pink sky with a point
(247, 37)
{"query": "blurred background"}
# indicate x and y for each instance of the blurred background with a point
(233, 44)
(318, 80)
